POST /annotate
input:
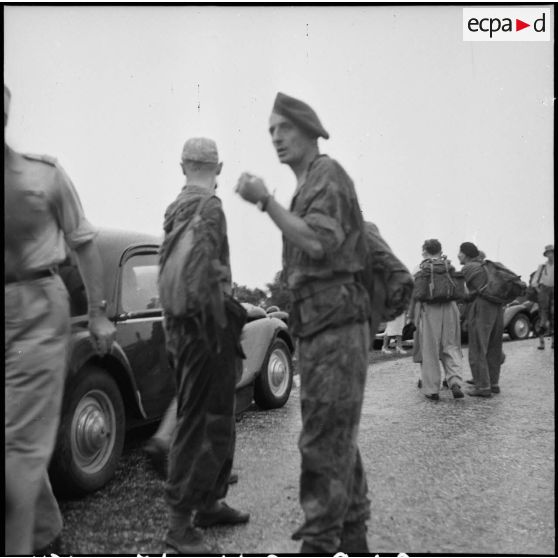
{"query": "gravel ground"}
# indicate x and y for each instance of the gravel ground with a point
(463, 476)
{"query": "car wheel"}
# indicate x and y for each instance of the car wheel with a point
(274, 382)
(519, 327)
(91, 434)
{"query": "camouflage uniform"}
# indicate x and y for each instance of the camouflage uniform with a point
(42, 214)
(204, 357)
(329, 317)
(485, 324)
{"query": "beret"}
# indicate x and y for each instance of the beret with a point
(300, 114)
(469, 249)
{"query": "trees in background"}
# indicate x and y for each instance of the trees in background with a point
(276, 295)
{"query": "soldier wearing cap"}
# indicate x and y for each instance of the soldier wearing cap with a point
(323, 249)
(42, 215)
(204, 352)
(543, 281)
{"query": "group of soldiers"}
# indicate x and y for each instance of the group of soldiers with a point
(438, 327)
(323, 252)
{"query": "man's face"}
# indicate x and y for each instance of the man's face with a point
(462, 258)
(290, 142)
(550, 256)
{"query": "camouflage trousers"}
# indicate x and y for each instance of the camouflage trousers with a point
(333, 489)
(203, 443)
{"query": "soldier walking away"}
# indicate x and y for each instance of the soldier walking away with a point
(203, 343)
(485, 324)
(543, 281)
(438, 332)
(42, 214)
(323, 249)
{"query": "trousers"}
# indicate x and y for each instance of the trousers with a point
(333, 488)
(203, 443)
(546, 305)
(439, 340)
(486, 330)
(37, 328)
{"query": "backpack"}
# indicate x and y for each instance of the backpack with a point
(388, 282)
(187, 280)
(438, 281)
(502, 285)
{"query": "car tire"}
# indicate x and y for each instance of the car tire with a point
(519, 327)
(91, 434)
(274, 382)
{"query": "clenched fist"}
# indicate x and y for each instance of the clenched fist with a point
(251, 188)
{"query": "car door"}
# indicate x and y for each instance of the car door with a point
(140, 328)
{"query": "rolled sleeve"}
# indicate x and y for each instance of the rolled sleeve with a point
(325, 216)
(76, 228)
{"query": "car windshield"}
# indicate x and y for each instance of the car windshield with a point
(139, 290)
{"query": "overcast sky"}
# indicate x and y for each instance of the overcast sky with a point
(443, 138)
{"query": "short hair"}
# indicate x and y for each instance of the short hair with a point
(432, 246)
(469, 249)
(197, 166)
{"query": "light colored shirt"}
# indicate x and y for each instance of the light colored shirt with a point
(545, 275)
(44, 213)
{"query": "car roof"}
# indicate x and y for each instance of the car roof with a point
(112, 243)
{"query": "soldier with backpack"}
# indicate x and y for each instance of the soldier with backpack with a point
(435, 313)
(203, 324)
(490, 285)
(323, 249)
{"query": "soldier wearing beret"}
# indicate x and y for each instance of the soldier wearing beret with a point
(322, 251)
(42, 215)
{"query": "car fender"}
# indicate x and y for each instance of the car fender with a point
(256, 338)
(116, 363)
(511, 311)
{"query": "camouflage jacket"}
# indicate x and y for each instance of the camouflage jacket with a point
(328, 204)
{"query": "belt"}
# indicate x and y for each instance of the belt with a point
(30, 275)
(320, 285)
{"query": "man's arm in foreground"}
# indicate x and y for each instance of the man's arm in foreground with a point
(91, 269)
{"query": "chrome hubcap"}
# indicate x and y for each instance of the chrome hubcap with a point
(278, 372)
(93, 431)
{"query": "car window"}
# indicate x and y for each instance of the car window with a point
(139, 290)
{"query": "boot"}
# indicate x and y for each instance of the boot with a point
(353, 538)
(220, 514)
(183, 537)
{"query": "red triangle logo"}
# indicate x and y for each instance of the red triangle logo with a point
(519, 25)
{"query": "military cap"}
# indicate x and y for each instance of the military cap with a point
(469, 249)
(7, 99)
(548, 248)
(300, 114)
(200, 150)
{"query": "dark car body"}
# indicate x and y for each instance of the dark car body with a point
(133, 384)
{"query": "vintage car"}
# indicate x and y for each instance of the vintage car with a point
(105, 397)
(520, 319)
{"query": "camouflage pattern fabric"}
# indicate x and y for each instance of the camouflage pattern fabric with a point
(333, 488)
(328, 204)
(202, 448)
